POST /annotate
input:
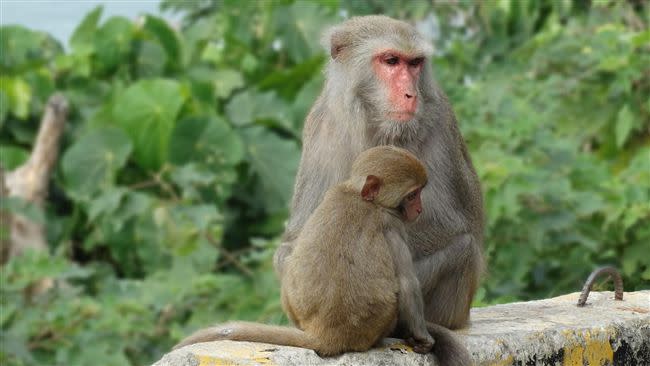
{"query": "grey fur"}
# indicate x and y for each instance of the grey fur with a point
(446, 242)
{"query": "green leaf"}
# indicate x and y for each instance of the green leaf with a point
(106, 203)
(624, 125)
(192, 178)
(220, 140)
(240, 110)
(167, 37)
(19, 206)
(275, 161)
(641, 39)
(614, 63)
(82, 38)
(290, 81)
(212, 53)
(113, 43)
(151, 59)
(184, 139)
(226, 81)
(206, 139)
(147, 111)
(300, 27)
(19, 95)
(12, 157)
(200, 217)
(92, 162)
(5, 105)
(249, 106)
(22, 48)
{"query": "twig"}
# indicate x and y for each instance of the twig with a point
(230, 257)
(143, 184)
(164, 185)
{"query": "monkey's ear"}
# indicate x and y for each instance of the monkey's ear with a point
(370, 189)
(335, 50)
(337, 42)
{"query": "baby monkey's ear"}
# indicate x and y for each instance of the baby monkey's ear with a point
(370, 189)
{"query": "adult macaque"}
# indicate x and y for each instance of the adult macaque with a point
(350, 277)
(379, 91)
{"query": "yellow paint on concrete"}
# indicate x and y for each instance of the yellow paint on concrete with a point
(598, 351)
(215, 361)
(573, 356)
(263, 361)
(238, 355)
(503, 360)
(595, 352)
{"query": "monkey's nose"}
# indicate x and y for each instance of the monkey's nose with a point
(409, 96)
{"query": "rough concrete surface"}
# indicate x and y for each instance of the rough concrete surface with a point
(545, 332)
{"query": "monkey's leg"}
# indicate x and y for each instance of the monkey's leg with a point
(449, 278)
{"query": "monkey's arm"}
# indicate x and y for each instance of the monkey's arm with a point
(411, 305)
(462, 251)
(312, 181)
(449, 278)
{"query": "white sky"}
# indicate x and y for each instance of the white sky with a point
(61, 17)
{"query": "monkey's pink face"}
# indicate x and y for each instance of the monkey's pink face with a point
(412, 205)
(400, 74)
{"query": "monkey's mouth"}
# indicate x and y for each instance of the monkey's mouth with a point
(401, 116)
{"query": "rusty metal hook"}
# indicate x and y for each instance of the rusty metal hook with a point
(613, 272)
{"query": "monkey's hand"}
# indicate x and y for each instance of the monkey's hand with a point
(422, 344)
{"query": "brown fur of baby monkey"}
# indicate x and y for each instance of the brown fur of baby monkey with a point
(344, 286)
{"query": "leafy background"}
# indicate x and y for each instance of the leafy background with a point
(179, 157)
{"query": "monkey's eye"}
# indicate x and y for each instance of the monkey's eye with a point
(411, 196)
(416, 61)
(392, 60)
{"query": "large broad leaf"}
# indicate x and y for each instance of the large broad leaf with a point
(166, 36)
(18, 96)
(151, 59)
(250, 106)
(93, 161)
(290, 81)
(21, 48)
(226, 81)
(221, 141)
(206, 139)
(82, 38)
(299, 29)
(275, 161)
(147, 111)
(113, 42)
(214, 83)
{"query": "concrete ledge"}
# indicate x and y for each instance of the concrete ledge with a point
(545, 332)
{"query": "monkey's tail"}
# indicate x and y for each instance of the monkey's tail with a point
(448, 349)
(251, 332)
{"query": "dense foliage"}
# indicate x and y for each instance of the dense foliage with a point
(182, 145)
